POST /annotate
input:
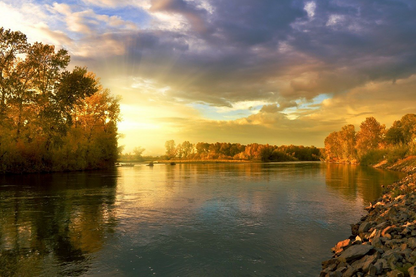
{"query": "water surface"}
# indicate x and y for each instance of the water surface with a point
(278, 219)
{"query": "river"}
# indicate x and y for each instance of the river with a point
(237, 219)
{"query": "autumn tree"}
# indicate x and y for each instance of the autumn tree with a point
(187, 149)
(333, 146)
(370, 136)
(402, 131)
(170, 149)
(50, 118)
(11, 45)
(138, 151)
(348, 141)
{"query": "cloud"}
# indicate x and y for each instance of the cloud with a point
(310, 8)
(224, 54)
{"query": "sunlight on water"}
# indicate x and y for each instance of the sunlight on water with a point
(182, 220)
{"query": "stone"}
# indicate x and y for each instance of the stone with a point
(369, 261)
(382, 225)
(372, 270)
(377, 242)
(380, 265)
(364, 227)
(375, 234)
(327, 263)
(412, 271)
(335, 274)
(386, 230)
(411, 260)
(355, 252)
(364, 263)
(332, 267)
(395, 273)
(393, 260)
(411, 242)
(349, 272)
(354, 229)
(340, 245)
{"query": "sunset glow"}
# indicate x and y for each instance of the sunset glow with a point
(278, 72)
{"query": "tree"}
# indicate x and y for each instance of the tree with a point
(170, 149)
(370, 136)
(11, 45)
(348, 141)
(395, 134)
(138, 151)
(187, 149)
(50, 118)
(333, 148)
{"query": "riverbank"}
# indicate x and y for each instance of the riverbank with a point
(383, 243)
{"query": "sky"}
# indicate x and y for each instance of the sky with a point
(239, 71)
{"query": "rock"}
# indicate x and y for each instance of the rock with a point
(375, 234)
(411, 242)
(327, 263)
(382, 225)
(364, 227)
(340, 245)
(380, 265)
(355, 252)
(372, 270)
(386, 231)
(335, 274)
(393, 260)
(411, 260)
(369, 261)
(349, 272)
(377, 242)
(395, 273)
(354, 229)
(412, 271)
(364, 263)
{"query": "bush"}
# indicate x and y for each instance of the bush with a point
(373, 157)
(396, 153)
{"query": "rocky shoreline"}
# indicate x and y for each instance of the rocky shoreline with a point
(383, 243)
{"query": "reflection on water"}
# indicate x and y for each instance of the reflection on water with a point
(48, 222)
(183, 220)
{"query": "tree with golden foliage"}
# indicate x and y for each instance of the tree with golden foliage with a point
(50, 118)
(371, 136)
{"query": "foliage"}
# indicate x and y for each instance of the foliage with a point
(370, 136)
(170, 149)
(138, 151)
(396, 152)
(52, 119)
(236, 151)
(373, 157)
(373, 143)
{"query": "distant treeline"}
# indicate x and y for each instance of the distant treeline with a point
(236, 151)
(51, 119)
(373, 142)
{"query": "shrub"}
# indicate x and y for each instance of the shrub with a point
(373, 157)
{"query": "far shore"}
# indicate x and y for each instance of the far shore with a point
(209, 161)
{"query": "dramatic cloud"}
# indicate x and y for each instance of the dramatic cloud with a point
(240, 68)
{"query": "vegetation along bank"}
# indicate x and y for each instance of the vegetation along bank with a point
(52, 119)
